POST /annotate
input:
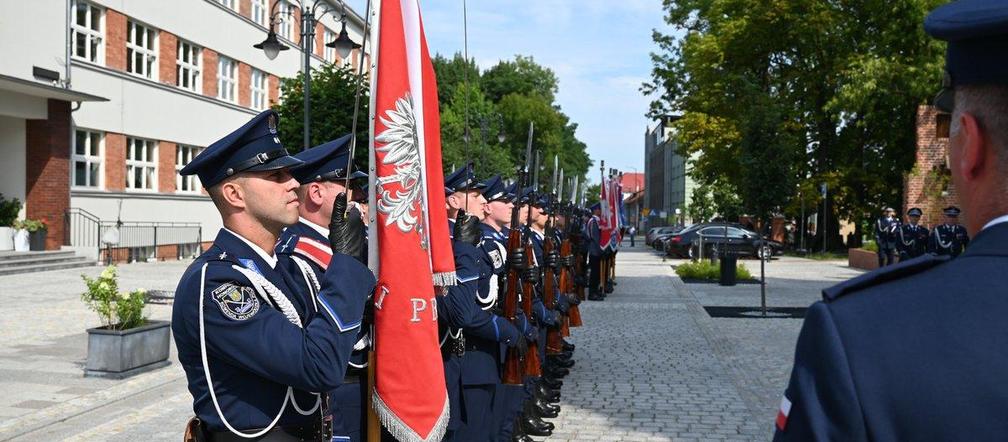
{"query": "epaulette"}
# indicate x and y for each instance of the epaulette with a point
(883, 275)
(319, 253)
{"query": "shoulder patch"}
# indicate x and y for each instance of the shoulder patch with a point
(883, 275)
(236, 302)
(496, 258)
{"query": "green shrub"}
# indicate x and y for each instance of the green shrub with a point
(30, 225)
(117, 311)
(870, 246)
(708, 271)
(9, 209)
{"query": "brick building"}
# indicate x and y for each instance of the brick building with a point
(102, 101)
(928, 185)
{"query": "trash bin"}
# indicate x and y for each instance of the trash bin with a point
(728, 263)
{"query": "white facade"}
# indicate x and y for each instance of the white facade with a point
(156, 107)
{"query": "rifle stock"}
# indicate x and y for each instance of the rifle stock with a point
(533, 365)
(567, 283)
(554, 342)
(513, 371)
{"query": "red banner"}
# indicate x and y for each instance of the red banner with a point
(410, 248)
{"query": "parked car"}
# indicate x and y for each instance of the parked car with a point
(656, 232)
(714, 238)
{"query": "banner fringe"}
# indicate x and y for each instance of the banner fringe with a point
(444, 279)
(401, 431)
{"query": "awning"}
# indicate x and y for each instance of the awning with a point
(36, 89)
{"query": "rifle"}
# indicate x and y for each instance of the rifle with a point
(566, 273)
(554, 342)
(533, 366)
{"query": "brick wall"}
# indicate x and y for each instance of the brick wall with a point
(115, 40)
(115, 162)
(167, 58)
(274, 89)
(319, 45)
(921, 186)
(47, 195)
(245, 8)
(209, 72)
(166, 166)
(244, 85)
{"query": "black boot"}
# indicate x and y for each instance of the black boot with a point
(545, 409)
(552, 383)
(530, 414)
(567, 346)
(555, 372)
(560, 361)
(521, 437)
(546, 395)
(534, 427)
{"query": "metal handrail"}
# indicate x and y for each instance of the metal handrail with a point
(85, 229)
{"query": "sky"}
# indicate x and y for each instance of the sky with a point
(599, 50)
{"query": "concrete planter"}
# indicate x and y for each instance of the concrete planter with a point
(119, 354)
(862, 259)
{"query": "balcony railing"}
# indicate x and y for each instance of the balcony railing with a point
(137, 240)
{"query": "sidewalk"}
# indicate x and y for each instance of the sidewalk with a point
(43, 345)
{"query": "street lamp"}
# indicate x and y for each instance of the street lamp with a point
(272, 46)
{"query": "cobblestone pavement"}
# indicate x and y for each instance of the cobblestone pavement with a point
(651, 364)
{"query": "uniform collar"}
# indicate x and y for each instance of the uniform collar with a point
(321, 230)
(268, 258)
(998, 220)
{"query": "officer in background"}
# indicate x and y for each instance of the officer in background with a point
(304, 251)
(912, 238)
(592, 235)
(950, 238)
(885, 236)
(255, 359)
(915, 351)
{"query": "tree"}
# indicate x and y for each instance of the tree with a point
(522, 76)
(332, 99)
(779, 94)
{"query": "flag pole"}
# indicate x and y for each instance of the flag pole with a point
(372, 427)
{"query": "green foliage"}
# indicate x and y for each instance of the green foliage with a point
(780, 96)
(9, 209)
(870, 245)
(31, 225)
(506, 97)
(332, 101)
(117, 311)
(592, 194)
(706, 270)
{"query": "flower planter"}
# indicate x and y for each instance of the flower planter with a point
(119, 354)
(6, 238)
(862, 259)
(36, 240)
(21, 243)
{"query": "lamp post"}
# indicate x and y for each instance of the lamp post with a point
(272, 46)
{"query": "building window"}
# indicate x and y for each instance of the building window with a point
(227, 79)
(187, 68)
(330, 53)
(87, 159)
(141, 164)
(183, 155)
(258, 89)
(230, 4)
(285, 14)
(259, 12)
(141, 50)
(87, 32)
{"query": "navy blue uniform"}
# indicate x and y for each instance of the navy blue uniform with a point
(911, 241)
(303, 249)
(885, 238)
(239, 319)
(948, 239)
(910, 352)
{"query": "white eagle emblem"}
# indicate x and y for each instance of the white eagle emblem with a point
(400, 143)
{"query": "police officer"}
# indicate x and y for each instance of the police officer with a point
(912, 238)
(255, 359)
(949, 238)
(303, 249)
(915, 351)
(486, 331)
(592, 235)
(885, 236)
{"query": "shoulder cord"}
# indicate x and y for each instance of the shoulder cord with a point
(938, 239)
(206, 365)
(263, 285)
(903, 240)
(487, 302)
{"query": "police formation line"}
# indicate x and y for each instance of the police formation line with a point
(273, 321)
(912, 240)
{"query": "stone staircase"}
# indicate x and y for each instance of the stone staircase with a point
(27, 262)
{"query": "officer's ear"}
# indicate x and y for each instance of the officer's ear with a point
(969, 156)
(315, 194)
(232, 193)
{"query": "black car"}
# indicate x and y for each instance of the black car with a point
(659, 232)
(714, 237)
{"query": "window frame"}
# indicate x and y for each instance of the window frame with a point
(97, 158)
(262, 7)
(193, 68)
(89, 33)
(231, 80)
(285, 25)
(230, 4)
(262, 93)
(150, 162)
(150, 53)
(192, 181)
(329, 54)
